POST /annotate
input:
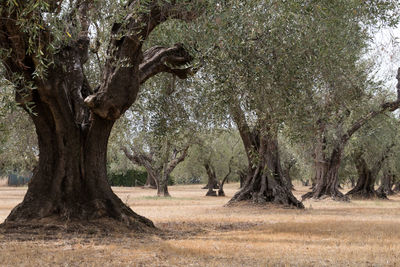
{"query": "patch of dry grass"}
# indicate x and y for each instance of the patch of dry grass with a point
(200, 231)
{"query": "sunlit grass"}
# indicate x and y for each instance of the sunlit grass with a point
(200, 231)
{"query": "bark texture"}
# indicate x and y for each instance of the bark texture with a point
(326, 169)
(265, 181)
(212, 180)
(364, 188)
(72, 121)
(386, 184)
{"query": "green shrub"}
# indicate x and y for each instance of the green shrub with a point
(131, 177)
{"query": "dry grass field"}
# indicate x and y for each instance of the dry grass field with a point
(3, 181)
(200, 231)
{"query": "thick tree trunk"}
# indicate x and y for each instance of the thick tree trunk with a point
(221, 192)
(70, 181)
(73, 122)
(386, 184)
(212, 180)
(162, 188)
(266, 182)
(326, 174)
(364, 188)
(367, 178)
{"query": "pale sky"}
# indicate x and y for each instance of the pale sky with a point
(386, 52)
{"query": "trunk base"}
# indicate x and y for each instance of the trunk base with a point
(332, 193)
(149, 187)
(211, 193)
(366, 194)
(277, 195)
(42, 212)
(163, 194)
(216, 186)
(221, 193)
(53, 228)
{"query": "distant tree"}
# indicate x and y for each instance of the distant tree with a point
(162, 132)
(18, 142)
(373, 149)
(278, 54)
(158, 169)
(214, 148)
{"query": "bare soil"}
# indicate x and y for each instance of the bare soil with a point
(200, 231)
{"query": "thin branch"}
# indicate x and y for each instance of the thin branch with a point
(173, 163)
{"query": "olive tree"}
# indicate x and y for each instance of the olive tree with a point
(45, 46)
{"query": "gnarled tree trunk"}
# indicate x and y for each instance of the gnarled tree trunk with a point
(212, 180)
(160, 172)
(162, 188)
(364, 188)
(327, 185)
(264, 180)
(242, 177)
(72, 121)
(386, 184)
(266, 183)
(326, 171)
(70, 181)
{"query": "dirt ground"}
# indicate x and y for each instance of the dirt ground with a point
(200, 231)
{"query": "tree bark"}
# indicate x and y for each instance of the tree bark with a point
(386, 184)
(266, 182)
(327, 183)
(70, 181)
(326, 170)
(242, 177)
(150, 182)
(367, 177)
(73, 122)
(212, 180)
(286, 172)
(364, 188)
(162, 189)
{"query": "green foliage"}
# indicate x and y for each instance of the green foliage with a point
(18, 143)
(219, 148)
(131, 177)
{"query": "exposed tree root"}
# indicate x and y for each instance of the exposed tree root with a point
(334, 194)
